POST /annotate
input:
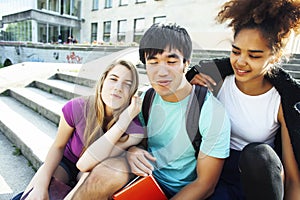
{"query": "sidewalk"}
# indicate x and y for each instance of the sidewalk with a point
(15, 172)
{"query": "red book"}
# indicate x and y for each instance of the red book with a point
(145, 188)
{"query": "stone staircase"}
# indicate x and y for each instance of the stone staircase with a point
(29, 115)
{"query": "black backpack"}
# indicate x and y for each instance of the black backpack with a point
(194, 109)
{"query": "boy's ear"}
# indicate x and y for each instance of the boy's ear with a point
(186, 65)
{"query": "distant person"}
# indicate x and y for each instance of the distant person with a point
(74, 41)
(70, 39)
(59, 39)
(104, 123)
(261, 99)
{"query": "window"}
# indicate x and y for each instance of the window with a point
(121, 30)
(94, 32)
(106, 31)
(75, 8)
(53, 5)
(42, 4)
(161, 19)
(139, 25)
(140, 1)
(123, 3)
(108, 4)
(95, 5)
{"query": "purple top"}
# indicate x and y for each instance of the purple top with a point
(73, 112)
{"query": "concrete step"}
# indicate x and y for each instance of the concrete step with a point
(46, 104)
(291, 67)
(74, 78)
(26, 129)
(297, 56)
(294, 61)
(294, 74)
(62, 88)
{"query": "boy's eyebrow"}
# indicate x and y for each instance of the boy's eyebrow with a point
(172, 55)
(151, 57)
(251, 51)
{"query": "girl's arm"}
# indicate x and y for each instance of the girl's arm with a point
(130, 140)
(40, 181)
(102, 147)
(292, 175)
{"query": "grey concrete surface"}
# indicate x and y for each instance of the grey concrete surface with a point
(15, 171)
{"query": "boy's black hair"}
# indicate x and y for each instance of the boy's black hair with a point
(161, 36)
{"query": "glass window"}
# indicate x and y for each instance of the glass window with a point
(19, 31)
(139, 26)
(75, 8)
(123, 2)
(121, 30)
(95, 5)
(53, 5)
(161, 19)
(94, 30)
(42, 4)
(106, 31)
(42, 33)
(108, 4)
(67, 7)
(53, 33)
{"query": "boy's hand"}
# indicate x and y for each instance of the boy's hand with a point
(138, 160)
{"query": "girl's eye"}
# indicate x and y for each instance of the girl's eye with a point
(113, 79)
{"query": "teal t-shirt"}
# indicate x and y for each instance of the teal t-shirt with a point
(168, 140)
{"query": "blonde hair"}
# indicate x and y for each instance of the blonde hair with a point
(94, 107)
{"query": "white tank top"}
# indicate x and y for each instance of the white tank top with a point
(253, 118)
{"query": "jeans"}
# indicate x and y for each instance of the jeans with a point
(253, 173)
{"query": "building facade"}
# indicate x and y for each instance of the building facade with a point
(124, 21)
(46, 21)
(112, 22)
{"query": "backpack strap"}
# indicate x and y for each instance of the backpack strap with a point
(147, 102)
(193, 115)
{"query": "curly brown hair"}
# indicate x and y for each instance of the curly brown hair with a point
(275, 19)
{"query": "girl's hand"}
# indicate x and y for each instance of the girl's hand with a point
(204, 80)
(133, 109)
(130, 112)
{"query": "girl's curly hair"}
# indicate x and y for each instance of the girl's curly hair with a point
(274, 18)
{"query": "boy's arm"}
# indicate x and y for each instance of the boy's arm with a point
(208, 173)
